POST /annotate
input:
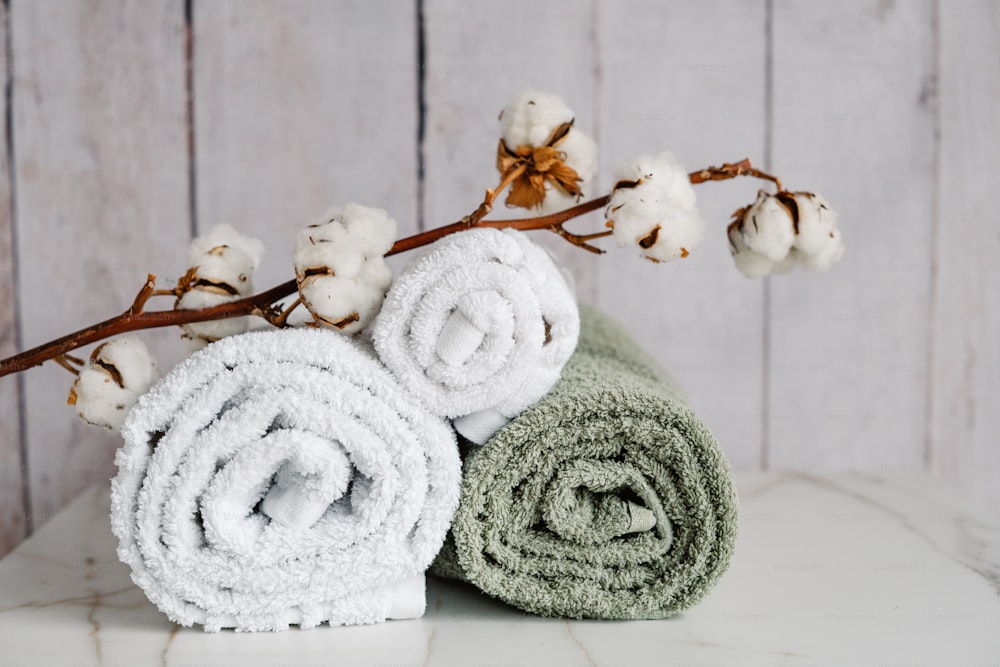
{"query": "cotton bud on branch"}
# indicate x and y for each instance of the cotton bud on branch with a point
(222, 264)
(550, 161)
(782, 231)
(653, 205)
(340, 266)
(119, 372)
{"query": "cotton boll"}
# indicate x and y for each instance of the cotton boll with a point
(99, 401)
(343, 258)
(791, 261)
(632, 215)
(826, 256)
(329, 228)
(372, 228)
(789, 230)
(229, 268)
(199, 299)
(344, 239)
(768, 228)
(118, 372)
(680, 231)
(581, 155)
(530, 118)
(816, 220)
(653, 206)
(133, 361)
(251, 249)
(376, 273)
(751, 264)
(555, 200)
(224, 260)
(340, 267)
(340, 303)
(661, 173)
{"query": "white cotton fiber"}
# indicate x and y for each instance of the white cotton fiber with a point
(212, 330)
(250, 250)
(110, 384)
(817, 222)
(222, 262)
(654, 206)
(661, 173)
(340, 266)
(768, 228)
(229, 268)
(828, 254)
(530, 117)
(780, 232)
(332, 300)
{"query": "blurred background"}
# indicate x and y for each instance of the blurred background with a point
(131, 126)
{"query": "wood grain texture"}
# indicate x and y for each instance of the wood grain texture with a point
(965, 328)
(298, 106)
(689, 78)
(853, 120)
(479, 56)
(13, 523)
(101, 184)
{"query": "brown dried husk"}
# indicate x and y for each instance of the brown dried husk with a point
(542, 164)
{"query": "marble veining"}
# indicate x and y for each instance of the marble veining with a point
(846, 569)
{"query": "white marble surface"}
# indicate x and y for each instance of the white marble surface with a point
(848, 569)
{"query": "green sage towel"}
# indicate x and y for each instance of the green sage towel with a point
(606, 499)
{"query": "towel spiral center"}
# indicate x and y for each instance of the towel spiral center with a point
(593, 501)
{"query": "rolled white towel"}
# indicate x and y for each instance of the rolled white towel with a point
(478, 327)
(283, 477)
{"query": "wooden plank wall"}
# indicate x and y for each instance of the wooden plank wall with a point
(854, 87)
(300, 107)
(13, 480)
(663, 86)
(100, 177)
(134, 125)
(963, 444)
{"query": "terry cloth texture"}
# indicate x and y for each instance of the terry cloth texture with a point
(606, 499)
(478, 327)
(283, 477)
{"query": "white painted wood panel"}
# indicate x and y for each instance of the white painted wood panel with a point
(298, 106)
(689, 77)
(101, 180)
(965, 420)
(308, 103)
(479, 56)
(12, 511)
(853, 119)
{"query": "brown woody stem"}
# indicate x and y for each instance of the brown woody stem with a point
(148, 290)
(732, 170)
(281, 318)
(264, 304)
(491, 195)
(64, 361)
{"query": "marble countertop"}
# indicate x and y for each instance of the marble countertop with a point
(846, 569)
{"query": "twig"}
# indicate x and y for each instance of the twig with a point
(263, 305)
(281, 319)
(732, 170)
(491, 195)
(65, 360)
(148, 290)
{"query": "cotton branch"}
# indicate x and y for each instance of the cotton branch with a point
(265, 304)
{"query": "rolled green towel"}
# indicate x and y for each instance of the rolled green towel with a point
(606, 499)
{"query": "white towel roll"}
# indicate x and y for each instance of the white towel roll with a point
(283, 477)
(478, 327)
